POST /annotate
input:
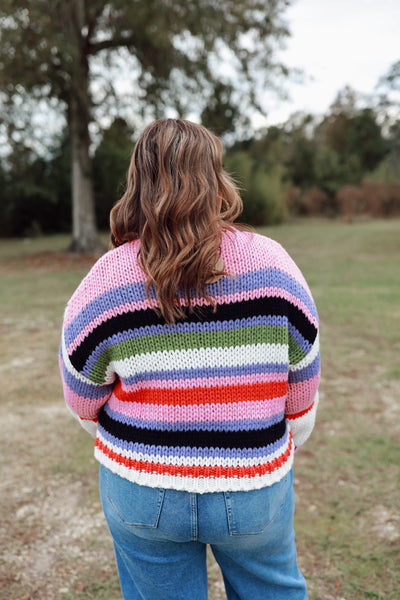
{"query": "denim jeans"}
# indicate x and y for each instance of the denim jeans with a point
(161, 535)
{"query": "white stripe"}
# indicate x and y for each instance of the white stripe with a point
(199, 358)
(194, 461)
(302, 427)
(193, 485)
(307, 360)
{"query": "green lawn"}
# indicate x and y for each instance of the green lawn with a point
(346, 476)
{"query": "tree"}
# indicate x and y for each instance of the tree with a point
(23, 191)
(171, 50)
(366, 139)
(301, 149)
(222, 114)
(354, 135)
(35, 191)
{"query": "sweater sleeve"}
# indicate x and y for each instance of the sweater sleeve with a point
(85, 393)
(302, 398)
(304, 358)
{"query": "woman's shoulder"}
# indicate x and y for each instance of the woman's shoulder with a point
(113, 270)
(245, 252)
(251, 248)
(118, 262)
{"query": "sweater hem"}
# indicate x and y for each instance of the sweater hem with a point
(193, 485)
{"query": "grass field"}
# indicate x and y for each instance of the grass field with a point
(53, 537)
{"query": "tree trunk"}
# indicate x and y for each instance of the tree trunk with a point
(84, 230)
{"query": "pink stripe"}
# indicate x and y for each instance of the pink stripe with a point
(87, 408)
(203, 382)
(239, 411)
(246, 252)
(265, 253)
(252, 252)
(106, 276)
(301, 395)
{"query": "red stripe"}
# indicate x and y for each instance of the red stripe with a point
(196, 471)
(300, 414)
(202, 395)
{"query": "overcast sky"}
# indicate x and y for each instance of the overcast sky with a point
(337, 42)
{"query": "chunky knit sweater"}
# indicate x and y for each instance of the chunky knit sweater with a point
(217, 401)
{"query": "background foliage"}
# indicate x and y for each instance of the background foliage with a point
(345, 164)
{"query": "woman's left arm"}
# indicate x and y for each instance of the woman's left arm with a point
(83, 396)
(87, 376)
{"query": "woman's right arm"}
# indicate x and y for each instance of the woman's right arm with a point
(304, 358)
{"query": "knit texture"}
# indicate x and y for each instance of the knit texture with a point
(217, 401)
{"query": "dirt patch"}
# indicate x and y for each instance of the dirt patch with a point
(48, 559)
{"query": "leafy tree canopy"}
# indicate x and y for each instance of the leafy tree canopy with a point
(167, 53)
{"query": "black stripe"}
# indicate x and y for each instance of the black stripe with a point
(193, 439)
(225, 312)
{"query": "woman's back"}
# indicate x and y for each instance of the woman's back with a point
(212, 401)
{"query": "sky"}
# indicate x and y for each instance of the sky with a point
(336, 43)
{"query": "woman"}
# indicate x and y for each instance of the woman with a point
(190, 352)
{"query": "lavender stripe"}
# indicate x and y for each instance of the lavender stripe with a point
(269, 277)
(304, 344)
(94, 392)
(181, 374)
(309, 372)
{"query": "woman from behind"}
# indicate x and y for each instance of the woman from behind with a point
(190, 352)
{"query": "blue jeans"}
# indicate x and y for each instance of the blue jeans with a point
(160, 539)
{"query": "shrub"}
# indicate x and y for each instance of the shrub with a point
(381, 199)
(350, 199)
(313, 202)
(263, 192)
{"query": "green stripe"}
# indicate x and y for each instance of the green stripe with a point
(296, 353)
(98, 372)
(258, 334)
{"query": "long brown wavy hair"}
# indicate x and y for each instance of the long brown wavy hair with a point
(178, 200)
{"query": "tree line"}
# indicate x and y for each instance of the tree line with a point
(346, 163)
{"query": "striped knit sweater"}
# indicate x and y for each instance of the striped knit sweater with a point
(217, 401)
